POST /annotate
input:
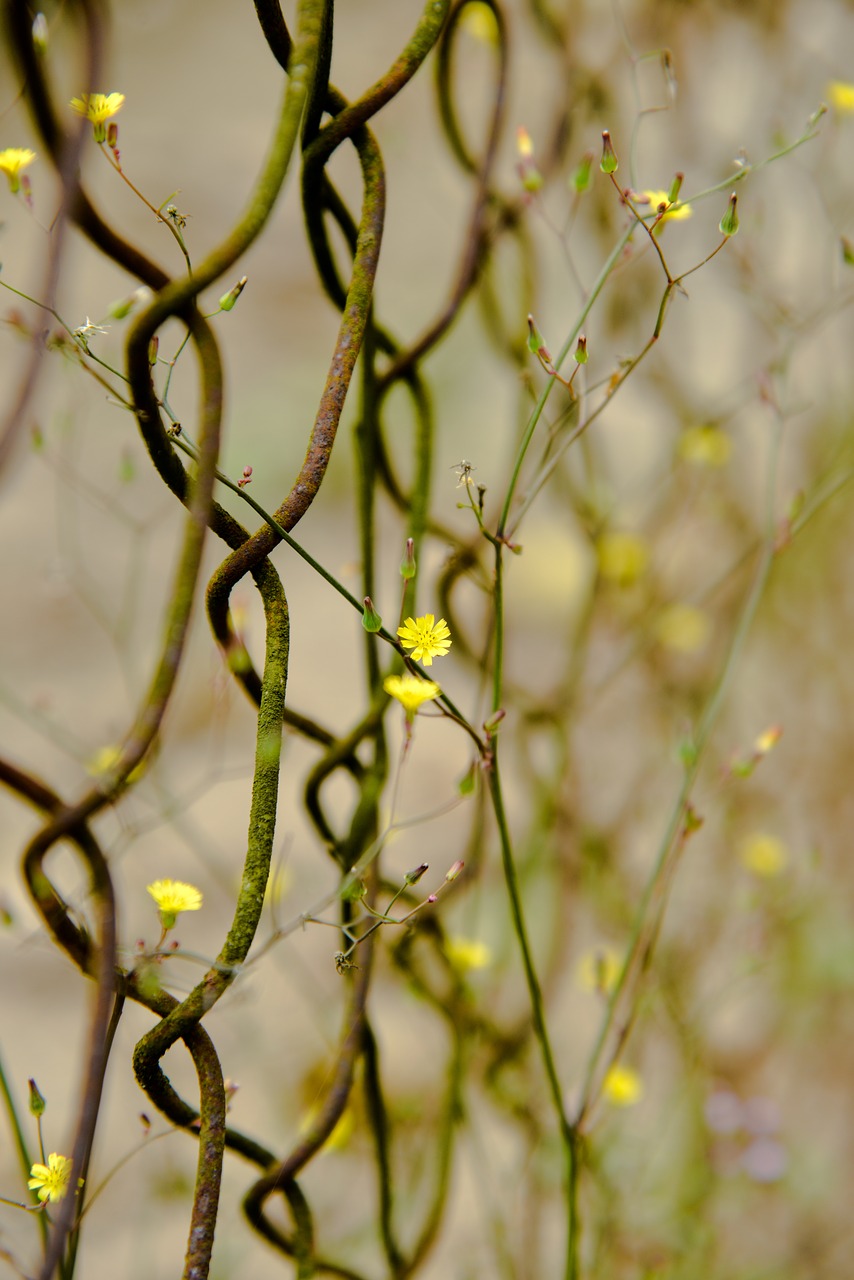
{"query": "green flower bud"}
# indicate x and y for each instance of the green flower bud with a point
(228, 300)
(609, 162)
(729, 222)
(38, 1105)
(371, 620)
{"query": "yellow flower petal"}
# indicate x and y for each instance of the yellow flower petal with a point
(467, 953)
(411, 692)
(841, 94)
(51, 1180)
(623, 558)
(173, 897)
(763, 854)
(599, 969)
(622, 1087)
(12, 161)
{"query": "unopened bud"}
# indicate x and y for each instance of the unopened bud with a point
(490, 725)
(38, 1105)
(847, 250)
(408, 567)
(153, 348)
(40, 33)
(580, 179)
(580, 352)
(412, 877)
(537, 343)
(228, 300)
(371, 620)
(454, 872)
(112, 135)
(729, 222)
(675, 188)
(609, 162)
(246, 478)
(119, 310)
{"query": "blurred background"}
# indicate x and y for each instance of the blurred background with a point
(724, 1150)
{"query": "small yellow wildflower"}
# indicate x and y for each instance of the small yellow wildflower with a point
(173, 897)
(768, 740)
(411, 692)
(12, 161)
(622, 1087)
(99, 108)
(763, 854)
(841, 94)
(682, 627)
(674, 212)
(427, 638)
(480, 21)
(598, 970)
(467, 953)
(51, 1179)
(705, 447)
(623, 558)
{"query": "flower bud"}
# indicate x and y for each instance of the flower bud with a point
(408, 567)
(119, 310)
(371, 620)
(609, 162)
(153, 348)
(580, 352)
(847, 250)
(675, 188)
(580, 179)
(729, 222)
(412, 877)
(113, 135)
(38, 1105)
(454, 872)
(246, 478)
(537, 343)
(228, 300)
(490, 725)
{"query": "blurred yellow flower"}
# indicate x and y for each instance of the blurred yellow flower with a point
(51, 1180)
(841, 94)
(99, 108)
(682, 627)
(705, 447)
(622, 1086)
(674, 212)
(763, 854)
(599, 969)
(768, 740)
(480, 21)
(411, 692)
(427, 638)
(623, 558)
(467, 953)
(173, 897)
(12, 161)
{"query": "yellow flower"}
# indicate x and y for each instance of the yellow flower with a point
(480, 21)
(622, 1087)
(12, 161)
(705, 447)
(99, 108)
(841, 95)
(674, 212)
(173, 897)
(763, 854)
(467, 953)
(411, 692)
(598, 970)
(682, 627)
(623, 558)
(51, 1179)
(427, 638)
(768, 739)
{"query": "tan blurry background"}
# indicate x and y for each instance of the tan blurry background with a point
(752, 995)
